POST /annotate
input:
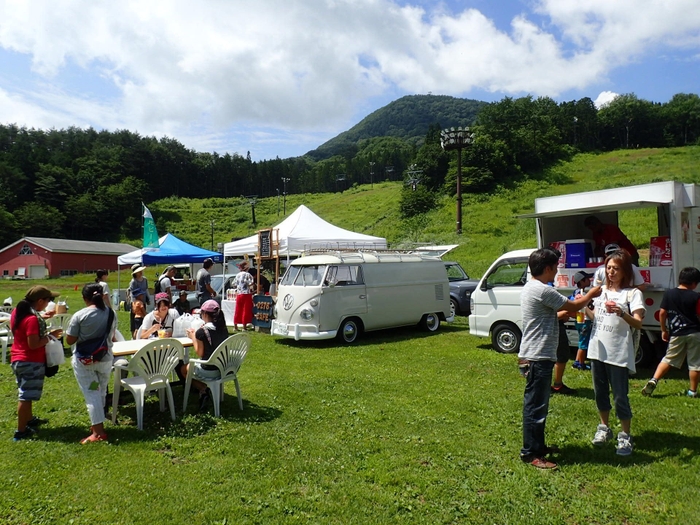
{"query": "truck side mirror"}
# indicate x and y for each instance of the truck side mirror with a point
(484, 285)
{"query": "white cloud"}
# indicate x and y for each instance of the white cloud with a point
(207, 68)
(605, 97)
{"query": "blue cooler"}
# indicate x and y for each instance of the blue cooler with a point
(578, 251)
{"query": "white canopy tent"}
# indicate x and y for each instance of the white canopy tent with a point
(304, 230)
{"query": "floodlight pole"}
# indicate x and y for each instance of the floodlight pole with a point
(285, 180)
(458, 139)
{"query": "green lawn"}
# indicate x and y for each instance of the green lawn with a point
(402, 428)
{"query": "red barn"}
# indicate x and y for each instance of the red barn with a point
(39, 257)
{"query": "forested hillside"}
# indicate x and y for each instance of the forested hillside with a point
(88, 184)
(407, 118)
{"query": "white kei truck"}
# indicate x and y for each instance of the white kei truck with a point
(342, 294)
(495, 303)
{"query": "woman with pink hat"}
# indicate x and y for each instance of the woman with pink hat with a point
(205, 341)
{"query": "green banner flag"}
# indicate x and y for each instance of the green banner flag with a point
(150, 234)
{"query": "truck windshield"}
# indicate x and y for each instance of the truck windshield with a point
(304, 275)
(513, 274)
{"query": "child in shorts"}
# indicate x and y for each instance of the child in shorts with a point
(583, 321)
(680, 327)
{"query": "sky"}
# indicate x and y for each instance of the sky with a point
(278, 78)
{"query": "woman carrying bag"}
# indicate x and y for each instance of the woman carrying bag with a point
(92, 331)
(28, 355)
(619, 311)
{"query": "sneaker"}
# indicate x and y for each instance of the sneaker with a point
(602, 435)
(649, 387)
(36, 422)
(624, 444)
(563, 389)
(690, 393)
(543, 463)
(25, 434)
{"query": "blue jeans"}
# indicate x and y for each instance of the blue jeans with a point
(535, 409)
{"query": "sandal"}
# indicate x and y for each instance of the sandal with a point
(93, 438)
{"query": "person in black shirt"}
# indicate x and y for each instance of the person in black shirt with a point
(680, 327)
(206, 340)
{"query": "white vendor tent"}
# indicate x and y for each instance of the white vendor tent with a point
(304, 230)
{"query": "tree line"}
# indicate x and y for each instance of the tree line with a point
(87, 184)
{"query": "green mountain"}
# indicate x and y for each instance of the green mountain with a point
(407, 118)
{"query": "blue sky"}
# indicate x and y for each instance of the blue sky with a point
(278, 78)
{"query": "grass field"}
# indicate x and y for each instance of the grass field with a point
(403, 427)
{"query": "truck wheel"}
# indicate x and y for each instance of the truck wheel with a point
(649, 354)
(430, 322)
(454, 308)
(349, 331)
(505, 338)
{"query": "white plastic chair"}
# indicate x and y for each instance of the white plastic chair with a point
(59, 321)
(228, 358)
(6, 337)
(151, 368)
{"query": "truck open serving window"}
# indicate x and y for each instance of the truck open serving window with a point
(513, 274)
(344, 275)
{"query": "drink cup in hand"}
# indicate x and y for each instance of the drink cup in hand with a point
(609, 305)
(162, 333)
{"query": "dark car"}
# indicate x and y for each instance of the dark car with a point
(461, 288)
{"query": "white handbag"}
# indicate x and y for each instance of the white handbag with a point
(54, 352)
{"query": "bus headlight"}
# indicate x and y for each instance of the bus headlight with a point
(306, 315)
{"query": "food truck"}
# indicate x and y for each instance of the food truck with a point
(342, 294)
(673, 245)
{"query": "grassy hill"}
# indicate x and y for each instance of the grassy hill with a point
(490, 225)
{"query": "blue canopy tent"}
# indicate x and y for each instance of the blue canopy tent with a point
(171, 251)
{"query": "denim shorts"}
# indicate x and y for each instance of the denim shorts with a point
(30, 379)
(204, 374)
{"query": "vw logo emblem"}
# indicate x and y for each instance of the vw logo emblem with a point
(288, 301)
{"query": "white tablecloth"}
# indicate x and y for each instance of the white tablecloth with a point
(228, 307)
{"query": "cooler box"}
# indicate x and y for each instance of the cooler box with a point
(578, 252)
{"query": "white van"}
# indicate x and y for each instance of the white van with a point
(346, 293)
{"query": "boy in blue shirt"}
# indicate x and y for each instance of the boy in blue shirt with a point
(583, 322)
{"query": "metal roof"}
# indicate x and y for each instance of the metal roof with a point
(70, 246)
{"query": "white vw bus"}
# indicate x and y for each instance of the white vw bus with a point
(346, 293)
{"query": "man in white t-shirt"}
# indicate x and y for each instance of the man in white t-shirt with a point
(165, 280)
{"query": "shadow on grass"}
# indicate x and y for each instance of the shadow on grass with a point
(158, 424)
(391, 335)
(649, 446)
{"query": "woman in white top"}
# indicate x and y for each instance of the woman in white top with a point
(101, 279)
(162, 317)
(619, 312)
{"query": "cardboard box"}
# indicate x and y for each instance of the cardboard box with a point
(660, 251)
(561, 246)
